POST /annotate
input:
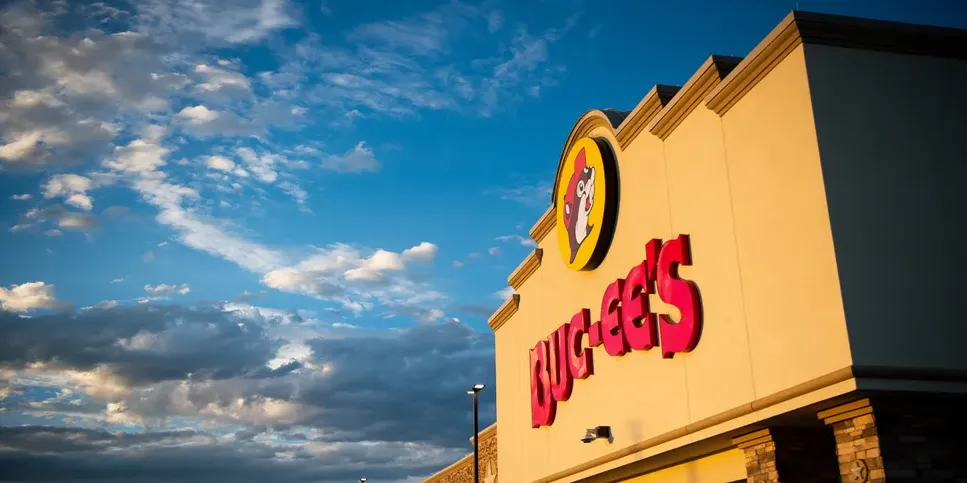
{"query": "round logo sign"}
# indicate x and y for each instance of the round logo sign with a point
(587, 203)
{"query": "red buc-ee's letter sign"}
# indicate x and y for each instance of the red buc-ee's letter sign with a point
(627, 324)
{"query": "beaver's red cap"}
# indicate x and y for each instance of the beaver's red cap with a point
(579, 164)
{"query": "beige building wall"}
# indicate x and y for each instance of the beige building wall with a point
(462, 471)
(748, 189)
(894, 156)
(751, 167)
(793, 308)
(718, 468)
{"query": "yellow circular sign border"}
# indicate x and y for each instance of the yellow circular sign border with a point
(603, 217)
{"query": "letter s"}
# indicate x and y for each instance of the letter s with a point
(683, 294)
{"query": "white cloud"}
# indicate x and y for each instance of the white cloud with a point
(7, 391)
(63, 219)
(528, 53)
(262, 166)
(530, 195)
(33, 147)
(165, 289)
(34, 99)
(421, 35)
(21, 147)
(65, 95)
(220, 163)
(293, 352)
(141, 156)
(218, 79)
(195, 230)
(297, 193)
(198, 114)
(265, 167)
(240, 22)
(117, 280)
(81, 201)
(106, 304)
(425, 251)
(139, 163)
(375, 267)
(397, 67)
(493, 251)
(524, 241)
(303, 149)
(431, 315)
(160, 193)
(291, 280)
(29, 296)
(357, 160)
(73, 188)
(102, 305)
(22, 197)
(504, 293)
(205, 122)
(356, 279)
(53, 233)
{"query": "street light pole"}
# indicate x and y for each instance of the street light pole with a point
(476, 448)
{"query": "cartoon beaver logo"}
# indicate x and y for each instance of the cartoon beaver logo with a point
(586, 201)
(578, 203)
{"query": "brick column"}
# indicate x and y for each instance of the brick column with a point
(894, 439)
(760, 456)
(857, 442)
(789, 455)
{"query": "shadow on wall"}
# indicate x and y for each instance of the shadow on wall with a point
(692, 475)
(635, 431)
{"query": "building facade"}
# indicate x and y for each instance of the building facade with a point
(756, 276)
(462, 470)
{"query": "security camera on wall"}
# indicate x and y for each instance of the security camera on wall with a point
(597, 433)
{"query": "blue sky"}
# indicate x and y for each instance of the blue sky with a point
(274, 229)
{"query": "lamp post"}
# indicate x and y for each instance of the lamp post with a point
(476, 463)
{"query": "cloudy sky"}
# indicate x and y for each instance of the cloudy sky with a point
(259, 240)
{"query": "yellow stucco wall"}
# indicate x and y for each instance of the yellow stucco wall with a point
(790, 284)
(718, 468)
(748, 188)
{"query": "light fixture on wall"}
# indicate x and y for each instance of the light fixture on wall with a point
(598, 433)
